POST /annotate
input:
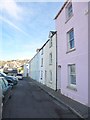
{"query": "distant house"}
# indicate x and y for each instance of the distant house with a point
(34, 67)
(50, 61)
(42, 64)
(42, 67)
(26, 70)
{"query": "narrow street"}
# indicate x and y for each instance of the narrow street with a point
(29, 101)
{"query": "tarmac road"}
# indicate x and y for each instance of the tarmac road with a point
(30, 101)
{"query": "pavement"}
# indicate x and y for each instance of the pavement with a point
(79, 109)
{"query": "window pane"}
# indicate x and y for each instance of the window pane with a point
(41, 74)
(72, 74)
(73, 79)
(69, 10)
(71, 35)
(72, 69)
(50, 75)
(71, 44)
(50, 42)
(71, 39)
(50, 58)
(41, 62)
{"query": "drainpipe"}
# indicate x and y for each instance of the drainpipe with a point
(56, 60)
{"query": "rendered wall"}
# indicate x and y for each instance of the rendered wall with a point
(52, 67)
(89, 54)
(79, 22)
(34, 69)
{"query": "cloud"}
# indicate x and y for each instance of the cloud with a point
(11, 7)
(13, 25)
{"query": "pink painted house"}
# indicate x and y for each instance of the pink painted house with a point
(72, 51)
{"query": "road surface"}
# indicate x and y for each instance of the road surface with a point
(29, 101)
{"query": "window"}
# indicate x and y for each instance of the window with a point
(50, 58)
(72, 75)
(45, 75)
(69, 11)
(42, 62)
(50, 76)
(42, 52)
(50, 42)
(41, 74)
(71, 39)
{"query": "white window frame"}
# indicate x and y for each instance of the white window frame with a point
(70, 40)
(71, 74)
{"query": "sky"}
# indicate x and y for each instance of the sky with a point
(25, 26)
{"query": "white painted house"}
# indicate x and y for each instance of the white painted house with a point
(42, 67)
(50, 61)
(42, 63)
(26, 70)
(34, 67)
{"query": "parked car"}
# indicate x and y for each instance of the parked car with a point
(6, 90)
(19, 76)
(10, 79)
(13, 79)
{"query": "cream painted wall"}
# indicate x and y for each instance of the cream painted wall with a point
(48, 67)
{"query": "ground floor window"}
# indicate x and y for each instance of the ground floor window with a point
(50, 72)
(72, 75)
(41, 75)
(45, 74)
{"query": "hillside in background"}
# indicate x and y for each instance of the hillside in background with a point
(13, 63)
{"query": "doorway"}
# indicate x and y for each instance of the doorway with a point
(58, 77)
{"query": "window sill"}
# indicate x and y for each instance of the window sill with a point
(69, 18)
(50, 82)
(71, 50)
(50, 46)
(72, 88)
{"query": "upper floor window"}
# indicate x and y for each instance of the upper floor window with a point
(42, 51)
(50, 42)
(50, 58)
(42, 62)
(71, 43)
(72, 75)
(69, 11)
